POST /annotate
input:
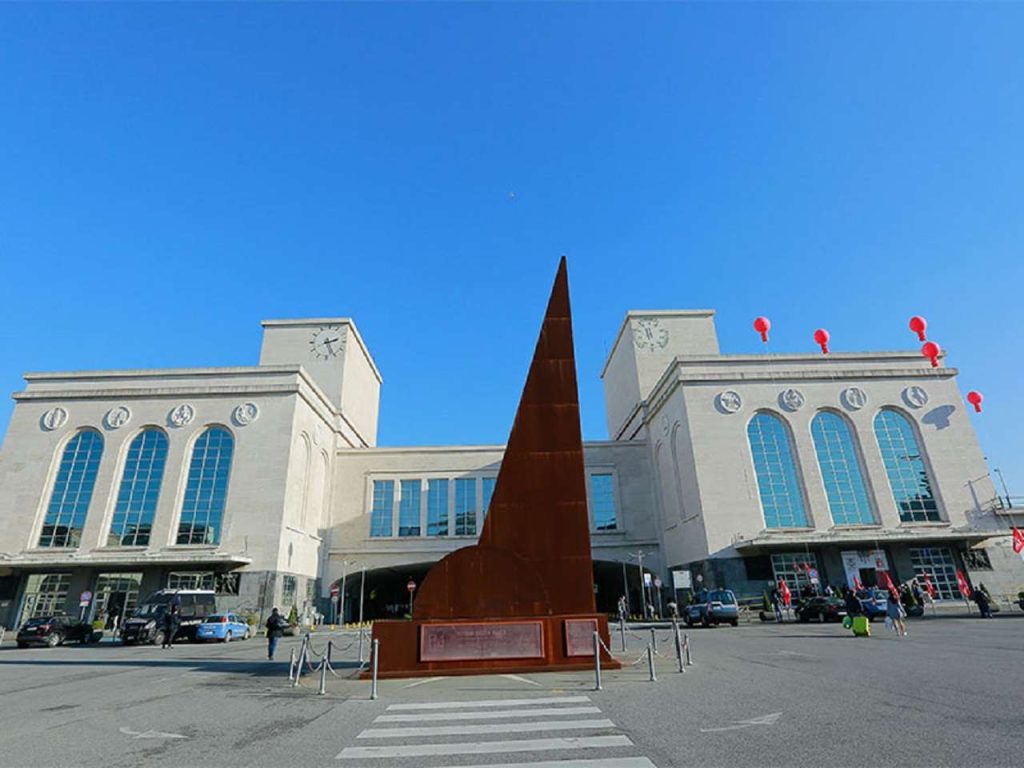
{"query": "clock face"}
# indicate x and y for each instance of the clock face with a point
(648, 334)
(327, 343)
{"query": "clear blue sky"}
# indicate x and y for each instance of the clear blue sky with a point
(170, 174)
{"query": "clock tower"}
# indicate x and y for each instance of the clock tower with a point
(333, 354)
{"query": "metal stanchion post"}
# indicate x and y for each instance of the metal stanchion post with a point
(361, 631)
(650, 662)
(654, 640)
(622, 633)
(330, 645)
(291, 667)
(323, 675)
(376, 652)
(597, 661)
(678, 644)
(686, 646)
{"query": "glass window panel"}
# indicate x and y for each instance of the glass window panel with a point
(69, 502)
(488, 489)
(437, 507)
(602, 501)
(382, 509)
(841, 470)
(139, 490)
(465, 506)
(204, 501)
(409, 508)
(938, 564)
(905, 468)
(791, 567)
(777, 481)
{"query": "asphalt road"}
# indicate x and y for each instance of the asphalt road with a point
(759, 695)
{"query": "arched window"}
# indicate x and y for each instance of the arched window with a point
(140, 489)
(72, 491)
(777, 479)
(207, 488)
(841, 470)
(904, 464)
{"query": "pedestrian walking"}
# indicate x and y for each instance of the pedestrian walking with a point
(895, 613)
(776, 601)
(853, 604)
(171, 621)
(622, 609)
(275, 630)
(984, 606)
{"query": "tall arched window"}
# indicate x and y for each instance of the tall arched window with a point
(777, 478)
(841, 470)
(207, 488)
(72, 491)
(140, 489)
(904, 464)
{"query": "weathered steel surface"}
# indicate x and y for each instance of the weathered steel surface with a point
(482, 640)
(533, 557)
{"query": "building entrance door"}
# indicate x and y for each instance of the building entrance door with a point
(116, 596)
(869, 577)
(45, 594)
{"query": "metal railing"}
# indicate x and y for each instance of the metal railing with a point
(301, 661)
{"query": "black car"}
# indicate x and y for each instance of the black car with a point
(54, 630)
(146, 625)
(821, 609)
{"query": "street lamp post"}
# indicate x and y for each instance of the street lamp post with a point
(362, 585)
(1006, 490)
(639, 555)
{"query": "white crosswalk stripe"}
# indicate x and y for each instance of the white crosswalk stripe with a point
(506, 717)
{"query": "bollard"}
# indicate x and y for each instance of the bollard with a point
(375, 651)
(361, 630)
(323, 675)
(686, 647)
(678, 644)
(330, 645)
(293, 673)
(622, 633)
(650, 663)
(597, 662)
(3, 631)
(654, 640)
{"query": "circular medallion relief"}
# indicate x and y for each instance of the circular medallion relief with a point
(915, 396)
(854, 398)
(182, 414)
(117, 417)
(729, 401)
(246, 414)
(55, 418)
(791, 399)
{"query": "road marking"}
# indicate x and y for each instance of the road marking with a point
(600, 762)
(472, 730)
(519, 679)
(487, 715)
(486, 747)
(422, 682)
(490, 703)
(738, 724)
(151, 734)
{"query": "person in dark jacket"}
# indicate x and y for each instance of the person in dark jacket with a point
(980, 596)
(853, 604)
(275, 630)
(170, 625)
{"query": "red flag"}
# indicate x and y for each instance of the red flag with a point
(1018, 541)
(890, 586)
(787, 597)
(929, 586)
(961, 582)
(857, 585)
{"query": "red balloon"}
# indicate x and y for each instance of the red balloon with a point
(918, 325)
(821, 337)
(975, 398)
(931, 350)
(762, 325)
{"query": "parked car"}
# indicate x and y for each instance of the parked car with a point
(717, 606)
(224, 627)
(55, 630)
(821, 609)
(146, 624)
(874, 603)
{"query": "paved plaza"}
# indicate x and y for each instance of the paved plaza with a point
(794, 695)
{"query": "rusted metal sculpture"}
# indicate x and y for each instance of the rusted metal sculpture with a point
(522, 599)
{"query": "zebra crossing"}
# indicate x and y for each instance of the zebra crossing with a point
(497, 727)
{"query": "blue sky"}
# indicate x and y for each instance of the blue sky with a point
(171, 174)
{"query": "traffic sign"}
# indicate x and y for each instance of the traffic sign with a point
(84, 599)
(647, 579)
(681, 580)
(410, 585)
(335, 589)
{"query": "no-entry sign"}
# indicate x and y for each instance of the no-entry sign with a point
(335, 590)
(84, 599)
(411, 585)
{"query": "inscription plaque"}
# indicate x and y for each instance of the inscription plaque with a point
(498, 640)
(579, 637)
